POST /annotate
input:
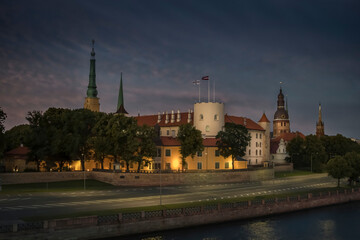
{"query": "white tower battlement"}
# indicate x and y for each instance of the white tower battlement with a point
(209, 118)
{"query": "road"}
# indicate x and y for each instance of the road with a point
(13, 207)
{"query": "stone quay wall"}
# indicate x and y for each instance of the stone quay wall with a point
(141, 179)
(142, 222)
(286, 167)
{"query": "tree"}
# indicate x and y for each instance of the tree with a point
(122, 131)
(146, 146)
(338, 167)
(100, 141)
(2, 129)
(16, 136)
(79, 125)
(353, 160)
(37, 139)
(233, 141)
(296, 150)
(191, 142)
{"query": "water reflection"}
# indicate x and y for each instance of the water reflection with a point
(330, 223)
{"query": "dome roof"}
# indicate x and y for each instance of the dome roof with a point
(281, 113)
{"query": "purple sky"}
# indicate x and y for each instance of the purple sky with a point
(161, 47)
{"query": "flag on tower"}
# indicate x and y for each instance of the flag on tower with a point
(205, 78)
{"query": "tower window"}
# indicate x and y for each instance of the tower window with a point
(201, 117)
(260, 152)
(256, 152)
(256, 135)
(249, 152)
(216, 117)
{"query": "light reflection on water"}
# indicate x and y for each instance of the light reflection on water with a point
(341, 222)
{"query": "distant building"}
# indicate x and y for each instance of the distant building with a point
(279, 144)
(320, 125)
(16, 160)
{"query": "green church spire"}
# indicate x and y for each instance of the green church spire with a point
(120, 106)
(91, 91)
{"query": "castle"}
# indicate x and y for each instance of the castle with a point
(209, 117)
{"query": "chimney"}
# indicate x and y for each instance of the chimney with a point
(159, 117)
(178, 118)
(189, 116)
(166, 118)
(172, 116)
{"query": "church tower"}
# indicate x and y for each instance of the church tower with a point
(91, 100)
(281, 123)
(265, 124)
(320, 125)
(120, 106)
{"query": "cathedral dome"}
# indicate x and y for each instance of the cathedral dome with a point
(281, 113)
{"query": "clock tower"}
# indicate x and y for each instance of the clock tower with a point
(281, 123)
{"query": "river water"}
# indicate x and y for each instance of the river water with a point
(340, 222)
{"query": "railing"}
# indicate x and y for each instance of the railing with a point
(186, 211)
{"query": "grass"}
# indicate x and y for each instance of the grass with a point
(179, 205)
(292, 174)
(74, 185)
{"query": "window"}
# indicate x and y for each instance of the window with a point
(227, 165)
(260, 144)
(168, 166)
(199, 165)
(260, 152)
(249, 152)
(249, 144)
(284, 123)
(256, 135)
(217, 165)
(250, 162)
(256, 161)
(256, 152)
(199, 154)
(216, 117)
(281, 123)
(260, 135)
(217, 153)
(158, 152)
(256, 144)
(207, 128)
(173, 133)
(168, 152)
(201, 117)
(168, 132)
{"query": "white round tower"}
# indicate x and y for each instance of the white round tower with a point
(209, 118)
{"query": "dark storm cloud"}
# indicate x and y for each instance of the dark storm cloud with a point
(247, 47)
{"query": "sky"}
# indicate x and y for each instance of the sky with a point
(246, 47)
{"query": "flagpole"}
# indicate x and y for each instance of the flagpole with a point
(199, 90)
(214, 92)
(209, 90)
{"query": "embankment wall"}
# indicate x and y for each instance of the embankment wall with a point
(142, 222)
(141, 179)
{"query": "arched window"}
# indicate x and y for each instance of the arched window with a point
(201, 117)
(260, 152)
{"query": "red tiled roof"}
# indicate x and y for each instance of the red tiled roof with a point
(250, 124)
(274, 143)
(19, 151)
(151, 120)
(264, 118)
(170, 141)
(289, 136)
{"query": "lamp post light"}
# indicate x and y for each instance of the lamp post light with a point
(82, 156)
